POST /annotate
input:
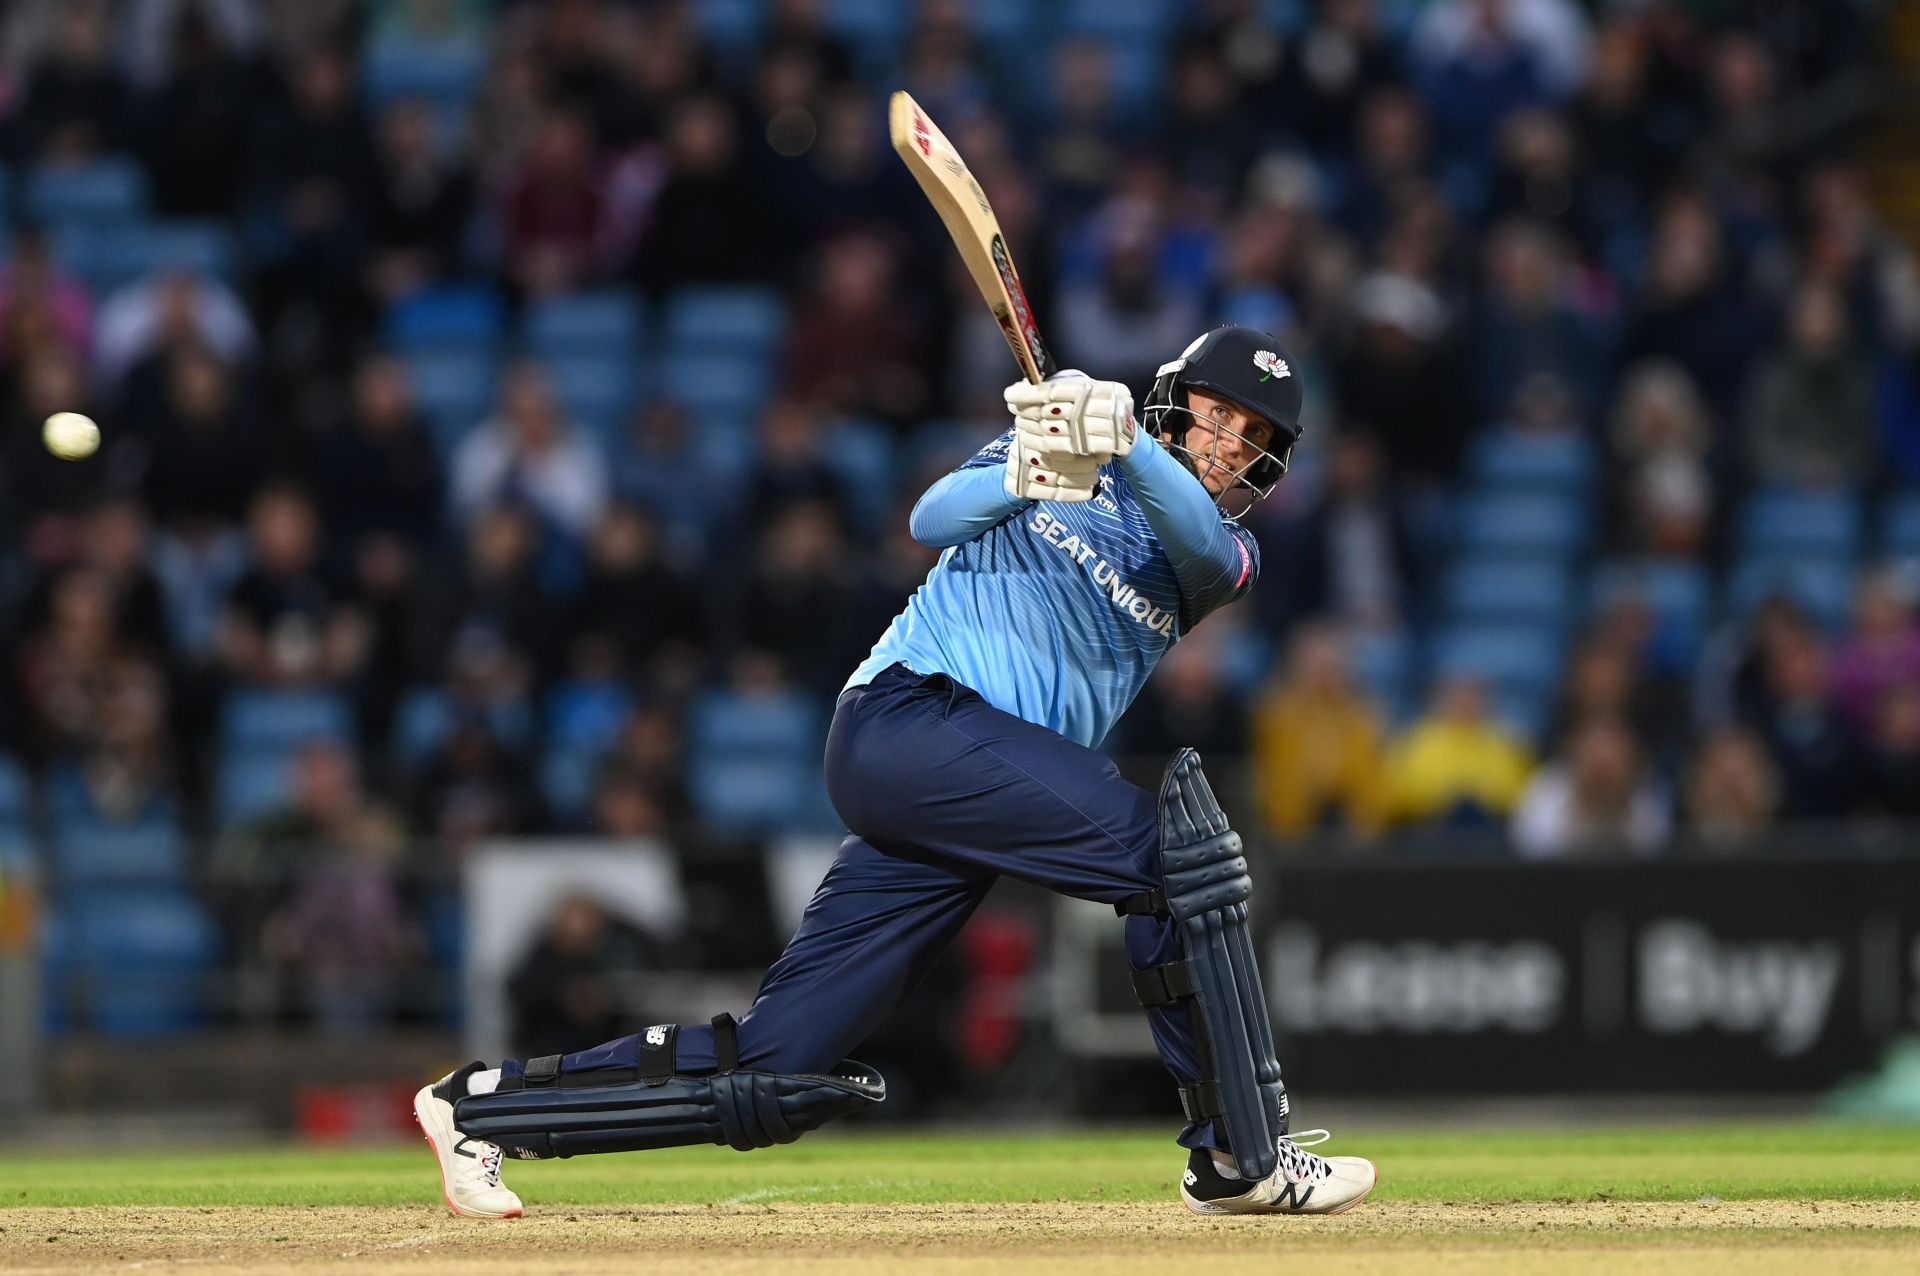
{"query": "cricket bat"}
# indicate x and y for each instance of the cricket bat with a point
(963, 206)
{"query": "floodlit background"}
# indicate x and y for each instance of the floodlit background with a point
(511, 412)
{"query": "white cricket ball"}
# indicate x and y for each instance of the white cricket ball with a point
(70, 436)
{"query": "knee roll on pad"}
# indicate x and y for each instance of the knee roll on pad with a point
(555, 1114)
(1205, 893)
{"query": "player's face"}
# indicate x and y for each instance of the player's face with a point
(1224, 438)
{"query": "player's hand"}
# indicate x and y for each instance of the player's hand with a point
(1072, 415)
(1033, 477)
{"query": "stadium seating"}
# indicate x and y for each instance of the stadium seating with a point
(109, 191)
(90, 853)
(1526, 460)
(1679, 594)
(254, 719)
(753, 761)
(454, 390)
(1522, 523)
(1822, 587)
(604, 322)
(737, 318)
(470, 317)
(1538, 592)
(428, 715)
(134, 962)
(1784, 522)
(1900, 526)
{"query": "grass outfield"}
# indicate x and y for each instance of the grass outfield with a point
(1770, 1200)
(1789, 1162)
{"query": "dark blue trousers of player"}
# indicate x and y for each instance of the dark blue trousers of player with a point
(943, 793)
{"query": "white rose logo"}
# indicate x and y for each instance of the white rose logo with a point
(1271, 364)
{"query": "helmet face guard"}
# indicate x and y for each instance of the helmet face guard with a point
(1227, 364)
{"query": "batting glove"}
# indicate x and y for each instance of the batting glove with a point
(1073, 416)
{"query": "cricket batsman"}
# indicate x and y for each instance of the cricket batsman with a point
(1078, 549)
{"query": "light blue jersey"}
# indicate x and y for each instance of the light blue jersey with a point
(1056, 611)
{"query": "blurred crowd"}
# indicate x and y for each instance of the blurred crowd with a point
(1632, 234)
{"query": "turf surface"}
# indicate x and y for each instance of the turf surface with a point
(1728, 1163)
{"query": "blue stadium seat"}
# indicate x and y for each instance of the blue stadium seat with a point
(587, 714)
(597, 390)
(255, 720)
(1823, 587)
(110, 257)
(138, 961)
(1787, 522)
(446, 72)
(454, 388)
(1524, 712)
(1144, 21)
(741, 319)
(103, 191)
(1678, 593)
(1508, 659)
(250, 785)
(724, 385)
(753, 761)
(1529, 460)
(1509, 590)
(463, 316)
(16, 790)
(86, 853)
(731, 24)
(874, 27)
(1381, 662)
(1522, 524)
(607, 322)
(1900, 525)
(427, 715)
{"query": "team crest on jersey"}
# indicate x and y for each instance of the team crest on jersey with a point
(1271, 364)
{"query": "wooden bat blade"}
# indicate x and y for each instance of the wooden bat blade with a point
(950, 187)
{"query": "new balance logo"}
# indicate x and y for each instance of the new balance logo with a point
(1190, 1177)
(1292, 1196)
(657, 1035)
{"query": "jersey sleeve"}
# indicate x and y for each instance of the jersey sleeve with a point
(1215, 559)
(967, 502)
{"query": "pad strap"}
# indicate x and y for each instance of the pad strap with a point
(726, 1043)
(1151, 903)
(1200, 1100)
(541, 1072)
(1164, 985)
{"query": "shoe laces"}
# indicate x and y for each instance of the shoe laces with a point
(1300, 1164)
(490, 1165)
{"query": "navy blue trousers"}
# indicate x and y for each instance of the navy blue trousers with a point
(942, 793)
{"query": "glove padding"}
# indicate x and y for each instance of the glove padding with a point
(1065, 429)
(1070, 414)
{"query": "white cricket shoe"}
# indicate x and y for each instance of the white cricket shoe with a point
(469, 1168)
(1302, 1183)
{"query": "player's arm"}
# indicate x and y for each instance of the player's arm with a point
(962, 505)
(1215, 560)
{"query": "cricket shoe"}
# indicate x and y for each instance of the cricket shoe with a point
(469, 1168)
(1302, 1183)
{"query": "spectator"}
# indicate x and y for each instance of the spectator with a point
(75, 105)
(564, 991)
(1191, 701)
(554, 211)
(529, 452)
(194, 61)
(1454, 768)
(60, 665)
(43, 493)
(799, 571)
(632, 594)
(1528, 326)
(1345, 55)
(1125, 321)
(1691, 308)
(475, 785)
(345, 934)
(125, 772)
(419, 206)
(1662, 500)
(1810, 413)
(1891, 787)
(1593, 799)
(376, 474)
(145, 324)
(709, 223)
(41, 307)
(1318, 746)
(325, 799)
(1883, 654)
(1732, 790)
(1400, 380)
(1818, 761)
(1352, 559)
(495, 598)
(858, 345)
(287, 621)
(662, 467)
